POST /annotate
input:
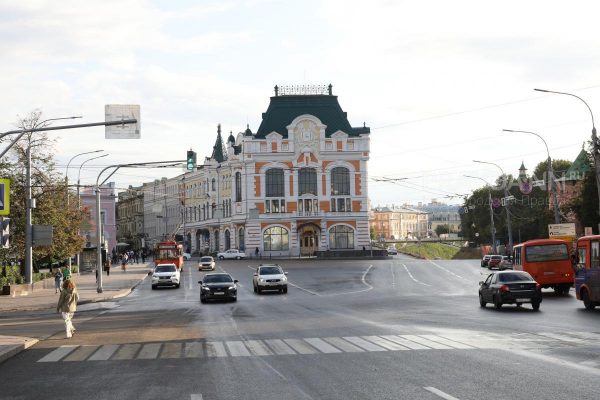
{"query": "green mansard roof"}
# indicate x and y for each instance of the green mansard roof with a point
(579, 168)
(283, 109)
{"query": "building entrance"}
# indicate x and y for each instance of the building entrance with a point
(308, 236)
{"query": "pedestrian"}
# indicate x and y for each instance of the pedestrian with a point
(58, 277)
(256, 251)
(67, 305)
(107, 267)
(66, 273)
(143, 257)
(124, 262)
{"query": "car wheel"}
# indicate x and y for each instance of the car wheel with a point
(221, 258)
(497, 303)
(177, 287)
(238, 257)
(254, 287)
(535, 305)
(153, 287)
(234, 299)
(258, 290)
(202, 300)
(587, 303)
(285, 289)
(481, 302)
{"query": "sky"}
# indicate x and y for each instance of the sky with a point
(436, 81)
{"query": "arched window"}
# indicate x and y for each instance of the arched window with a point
(214, 184)
(214, 209)
(227, 240)
(341, 237)
(238, 186)
(274, 182)
(241, 239)
(340, 181)
(275, 239)
(307, 181)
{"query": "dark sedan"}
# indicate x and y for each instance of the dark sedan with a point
(485, 260)
(218, 286)
(510, 287)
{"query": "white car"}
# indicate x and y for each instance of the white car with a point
(206, 262)
(166, 275)
(231, 254)
(187, 256)
(269, 277)
(392, 251)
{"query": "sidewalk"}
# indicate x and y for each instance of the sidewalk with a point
(118, 284)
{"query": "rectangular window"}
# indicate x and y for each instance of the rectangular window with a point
(268, 206)
(595, 255)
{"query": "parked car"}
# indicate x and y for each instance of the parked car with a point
(187, 256)
(231, 254)
(505, 263)
(206, 262)
(485, 260)
(494, 261)
(166, 275)
(392, 251)
(269, 277)
(510, 287)
(218, 286)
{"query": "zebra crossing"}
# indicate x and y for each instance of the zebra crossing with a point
(463, 340)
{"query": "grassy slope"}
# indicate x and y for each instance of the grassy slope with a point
(432, 251)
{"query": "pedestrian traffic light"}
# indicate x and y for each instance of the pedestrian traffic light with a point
(191, 160)
(5, 239)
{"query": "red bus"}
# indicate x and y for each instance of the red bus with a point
(169, 252)
(587, 271)
(547, 261)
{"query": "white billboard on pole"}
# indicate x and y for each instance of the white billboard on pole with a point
(120, 112)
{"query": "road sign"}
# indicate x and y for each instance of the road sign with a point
(567, 229)
(42, 235)
(588, 231)
(538, 183)
(119, 112)
(4, 196)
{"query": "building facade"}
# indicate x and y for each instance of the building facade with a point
(442, 214)
(399, 223)
(130, 217)
(296, 186)
(107, 214)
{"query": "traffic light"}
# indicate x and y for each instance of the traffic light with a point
(191, 160)
(5, 222)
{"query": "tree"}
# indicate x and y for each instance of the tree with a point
(585, 204)
(442, 229)
(49, 192)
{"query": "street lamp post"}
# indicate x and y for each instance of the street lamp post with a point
(506, 194)
(491, 211)
(595, 144)
(552, 182)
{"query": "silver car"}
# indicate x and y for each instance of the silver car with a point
(206, 263)
(269, 277)
(166, 275)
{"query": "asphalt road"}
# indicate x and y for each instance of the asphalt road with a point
(373, 329)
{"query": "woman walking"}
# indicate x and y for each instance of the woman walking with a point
(58, 277)
(67, 305)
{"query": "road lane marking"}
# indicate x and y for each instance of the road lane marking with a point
(447, 342)
(127, 352)
(343, 345)
(393, 275)
(413, 278)
(300, 346)
(405, 342)
(57, 354)
(193, 350)
(104, 352)
(439, 393)
(279, 347)
(425, 342)
(215, 349)
(196, 396)
(258, 348)
(384, 343)
(305, 290)
(363, 343)
(450, 272)
(237, 348)
(81, 353)
(322, 346)
(150, 351)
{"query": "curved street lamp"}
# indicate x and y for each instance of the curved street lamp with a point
(506, 194)
(69, 163)
(491, 211)
(595, 144)
(552, 182)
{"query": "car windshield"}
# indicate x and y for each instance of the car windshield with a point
(514, 277)
(165, 268)
(270, 271)
(206, 259)
(496, 257)
(217, 279)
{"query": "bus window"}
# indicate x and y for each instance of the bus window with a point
(595, 255)
(547, 252)
(581, 254)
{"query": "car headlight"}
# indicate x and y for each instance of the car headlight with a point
(231, 288)
(154, 277)
(261, 280)
(205, 288)
(284, 278)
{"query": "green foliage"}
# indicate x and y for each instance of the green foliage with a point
(585, 205)
(431, 250)
(442, 229)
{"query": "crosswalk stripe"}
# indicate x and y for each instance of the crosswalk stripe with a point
(425, 342)
(81, 353)
(363, 343)
(126, 352)
(237, 348)
(322, 346)
(279, 347)
(149, 351)
(405, 342)
(343, 345)
(300, 346)
(562, 337)
(477, 341)
(171, 350)
(258, 348)
(215, 349)
(193, 350)
(447, 342)
(104, 352)
(384, 343)
(57, 354)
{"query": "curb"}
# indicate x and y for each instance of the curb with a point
(16, 349)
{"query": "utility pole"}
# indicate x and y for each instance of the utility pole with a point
(30, 203)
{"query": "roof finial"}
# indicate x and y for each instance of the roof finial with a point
(219, 129)
(330, 87)
(276, 90)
